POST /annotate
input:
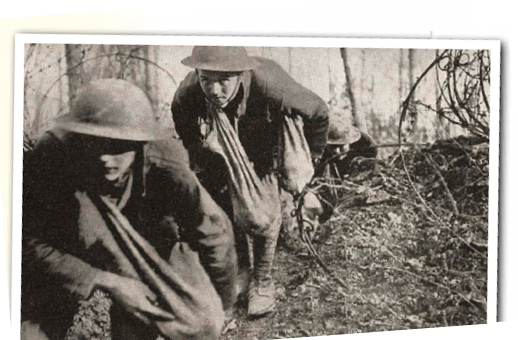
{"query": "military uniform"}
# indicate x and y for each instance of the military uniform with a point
(265, 96)
(67, 242)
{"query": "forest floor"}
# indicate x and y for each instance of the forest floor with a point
(411, 250)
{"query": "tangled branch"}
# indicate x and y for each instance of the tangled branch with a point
(463, 96)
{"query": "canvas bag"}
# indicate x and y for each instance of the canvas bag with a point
(295, 172)
(294, 158)
(255, 202)
(182, 286)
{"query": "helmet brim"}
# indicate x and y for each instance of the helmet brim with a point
(238, 66)
(349, 136)
(67, 122)
(337, 142)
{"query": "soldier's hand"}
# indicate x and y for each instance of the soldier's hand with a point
(135, 297)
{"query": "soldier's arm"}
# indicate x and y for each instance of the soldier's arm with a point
(316, 124)
(202, 223)
(56, 269)
(182, 101)
(294, 99)
(180, 122)
(45, 192)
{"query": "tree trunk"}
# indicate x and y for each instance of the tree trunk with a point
(86, 63)
(412, 112)
(440, 131)
(358, 121)
(74, 55)
(401, 85)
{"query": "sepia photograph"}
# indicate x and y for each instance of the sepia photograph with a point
(216, 189)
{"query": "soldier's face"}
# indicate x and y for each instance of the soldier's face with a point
(107, 159)
(219, 87)
(116, 165)
(334, 150)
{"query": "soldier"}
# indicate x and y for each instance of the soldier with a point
(349, 141)
(257, 97)
(344, 143)
(109, 147)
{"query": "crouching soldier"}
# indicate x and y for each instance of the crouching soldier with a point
(344, 144)
(248, 126)
(108, 205)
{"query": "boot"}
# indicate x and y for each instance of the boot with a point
(261, 298)
(261, 295)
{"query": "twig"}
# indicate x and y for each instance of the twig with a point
(412, 90)
(440, 285)
(432, 212)
(299, 328)
(397, 198)
(326, 269)
(484, 96)
(444, 320)
(430, 161)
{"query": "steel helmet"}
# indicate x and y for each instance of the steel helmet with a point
(220, 58)
(112, 108)
(340, 133)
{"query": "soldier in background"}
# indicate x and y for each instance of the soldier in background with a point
(347, 140)
(345, 143)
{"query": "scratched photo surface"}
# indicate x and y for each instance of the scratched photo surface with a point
(401, 238)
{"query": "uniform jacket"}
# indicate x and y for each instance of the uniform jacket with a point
(63, 250)
(265, 94)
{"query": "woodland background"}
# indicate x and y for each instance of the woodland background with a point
(368, 95)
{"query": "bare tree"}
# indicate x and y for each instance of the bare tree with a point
(401, 85)
(412, 113)
(358, 119)
(440, 132)
(74, 55)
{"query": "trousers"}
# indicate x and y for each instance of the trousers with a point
(255, 252)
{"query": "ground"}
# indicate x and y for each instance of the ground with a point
(406, 249)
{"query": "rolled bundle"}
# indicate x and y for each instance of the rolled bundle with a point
(181, 285)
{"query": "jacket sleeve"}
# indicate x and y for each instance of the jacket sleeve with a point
(298, 100)
(46, 209)
(316, 124)
(185, 99)
(202, 223)
(57, 268)
(294, 99)
(180, 122)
